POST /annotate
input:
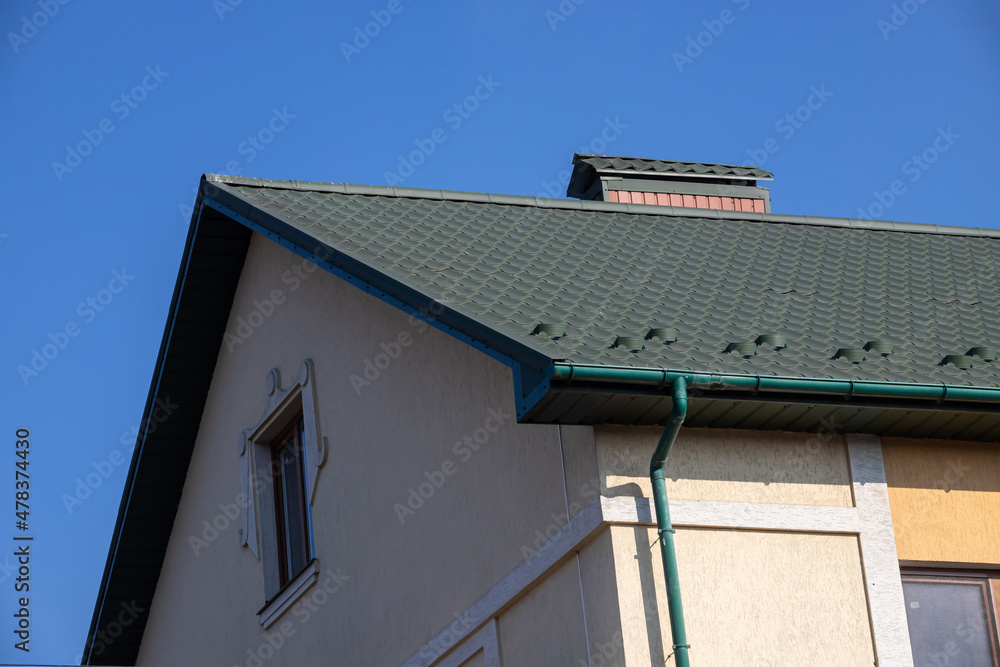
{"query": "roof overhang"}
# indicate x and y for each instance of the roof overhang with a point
(582, 394)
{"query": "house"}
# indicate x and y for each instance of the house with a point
(417, 427)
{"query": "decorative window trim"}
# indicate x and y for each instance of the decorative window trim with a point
(289, 595)
(256, 477)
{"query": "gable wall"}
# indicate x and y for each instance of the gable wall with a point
(409, 574)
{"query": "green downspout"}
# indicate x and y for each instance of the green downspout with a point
(564, 372)
(663, 527)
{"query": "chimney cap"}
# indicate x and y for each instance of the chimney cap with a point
(587, 167)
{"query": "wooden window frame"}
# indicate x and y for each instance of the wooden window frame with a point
(286, 407)
(990, 582)
(292, 433)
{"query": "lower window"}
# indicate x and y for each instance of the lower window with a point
(952, 617)
(291, 518)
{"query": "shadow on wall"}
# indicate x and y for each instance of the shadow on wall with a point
(647, 557)
(725, 455)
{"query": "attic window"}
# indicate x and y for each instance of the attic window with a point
(291, 515)
(280, 459)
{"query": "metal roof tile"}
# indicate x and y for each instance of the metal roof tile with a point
(616, 270)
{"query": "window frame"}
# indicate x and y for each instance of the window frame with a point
(286, 408)
(989, 580)
(294, 434)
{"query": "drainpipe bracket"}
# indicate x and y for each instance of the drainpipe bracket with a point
(850, 390)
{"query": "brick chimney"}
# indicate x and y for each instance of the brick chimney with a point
(666, 183)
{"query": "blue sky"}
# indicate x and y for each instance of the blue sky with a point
(113, 110)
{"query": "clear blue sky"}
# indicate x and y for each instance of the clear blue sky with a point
(134, 101)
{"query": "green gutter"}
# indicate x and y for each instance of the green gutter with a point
(564, 373)
(939, 393)
(663, 527)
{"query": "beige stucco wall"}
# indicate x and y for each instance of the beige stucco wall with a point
(407, 580)
(731, 465)
(750, 598)
(545, 627)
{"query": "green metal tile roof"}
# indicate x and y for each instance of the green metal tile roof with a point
(605, 272)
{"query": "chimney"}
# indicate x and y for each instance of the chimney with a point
(666, 183)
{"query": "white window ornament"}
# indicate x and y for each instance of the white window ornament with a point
(257, 476)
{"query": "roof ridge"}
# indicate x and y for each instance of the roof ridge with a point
(601, 206)
(659, 159)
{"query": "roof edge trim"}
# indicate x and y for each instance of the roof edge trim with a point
(378, 284)
(587, 205)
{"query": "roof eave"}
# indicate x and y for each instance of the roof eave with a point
(593, 394)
